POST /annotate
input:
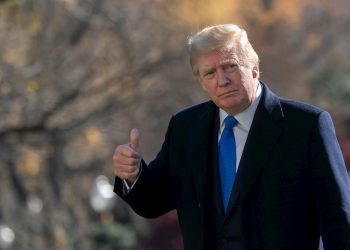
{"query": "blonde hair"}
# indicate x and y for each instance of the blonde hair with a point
(222, 37)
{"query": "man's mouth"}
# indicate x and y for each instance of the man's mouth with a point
(228, 93)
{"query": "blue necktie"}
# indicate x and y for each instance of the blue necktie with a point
(227, 159)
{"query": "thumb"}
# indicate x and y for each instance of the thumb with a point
(134, 139)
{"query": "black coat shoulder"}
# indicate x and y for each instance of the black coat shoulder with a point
(196, 112)
(297, 106)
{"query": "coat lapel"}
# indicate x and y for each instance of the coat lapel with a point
(263, 135)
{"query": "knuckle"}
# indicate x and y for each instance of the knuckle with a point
(115, 157)
(121, 148)
(116, 171)
(132, 161)
(117, 149)
(129, 169)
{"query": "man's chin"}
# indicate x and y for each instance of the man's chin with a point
(230, 104)
(232, 107)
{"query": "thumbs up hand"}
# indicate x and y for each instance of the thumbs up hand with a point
(127, 158)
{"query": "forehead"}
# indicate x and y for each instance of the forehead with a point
(217, 57)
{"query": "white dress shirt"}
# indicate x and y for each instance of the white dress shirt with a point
(245, 120)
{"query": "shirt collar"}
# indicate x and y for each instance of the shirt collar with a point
(244, 118)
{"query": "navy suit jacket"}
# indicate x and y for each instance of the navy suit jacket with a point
(291, 187)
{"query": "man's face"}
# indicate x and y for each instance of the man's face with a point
(230, 86)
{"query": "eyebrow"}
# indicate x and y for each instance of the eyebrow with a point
(228, 61)
(206, 69)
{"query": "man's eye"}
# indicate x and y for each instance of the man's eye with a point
(231, 67)
(209, 74)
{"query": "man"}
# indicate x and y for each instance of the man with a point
(275, 179)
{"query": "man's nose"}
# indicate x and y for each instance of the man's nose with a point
(223, 79)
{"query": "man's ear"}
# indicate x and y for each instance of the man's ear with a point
(256, 72)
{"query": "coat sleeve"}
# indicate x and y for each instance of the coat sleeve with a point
(152, 194)
(331, 185)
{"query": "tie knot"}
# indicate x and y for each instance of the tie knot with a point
(230, 122)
